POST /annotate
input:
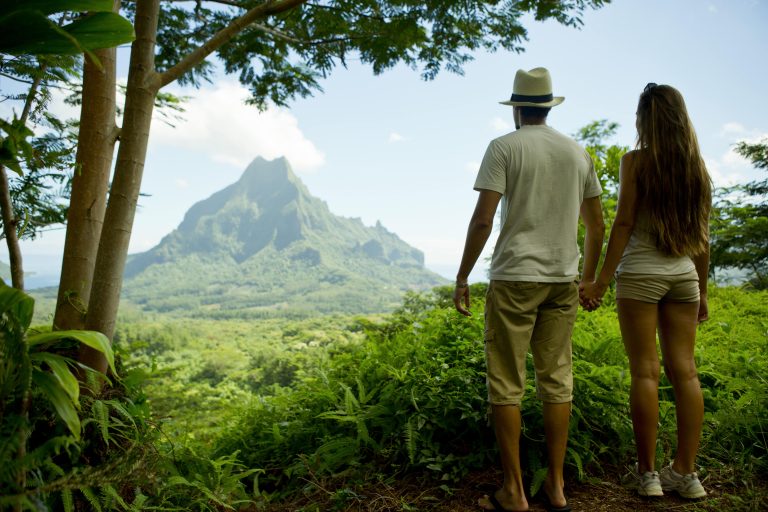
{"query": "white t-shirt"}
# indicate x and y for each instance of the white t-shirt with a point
(543, 176)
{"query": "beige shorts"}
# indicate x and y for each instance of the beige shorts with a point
(519, 315)
(658, 287)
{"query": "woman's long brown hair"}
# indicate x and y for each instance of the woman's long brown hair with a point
(673, 184)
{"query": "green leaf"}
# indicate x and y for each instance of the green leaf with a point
(538, 479)
(59, 365)
(32, 33)
(53, 6)
(59, 399)
(93, 339)
(101, 30)
(16, 304)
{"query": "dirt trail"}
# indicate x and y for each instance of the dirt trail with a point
(593, 496)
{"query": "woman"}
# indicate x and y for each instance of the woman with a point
(659, 250)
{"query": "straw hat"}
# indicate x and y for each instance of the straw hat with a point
(533, 89)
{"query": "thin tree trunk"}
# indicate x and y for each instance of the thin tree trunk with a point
(93, 161)
(10, 222)
(143, 84)
(9, 227)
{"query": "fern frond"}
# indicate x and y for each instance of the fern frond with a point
(101, 414)
(92, 498)
(577, 460)
(66, 500)
(411, 439)
(538, 479)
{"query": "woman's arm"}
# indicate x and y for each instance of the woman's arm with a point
(702, 269)
(623, 224)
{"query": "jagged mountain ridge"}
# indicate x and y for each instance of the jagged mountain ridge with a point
(265, 244)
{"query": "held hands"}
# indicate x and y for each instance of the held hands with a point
(591, 294)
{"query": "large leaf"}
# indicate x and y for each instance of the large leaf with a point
(60, 400)
(101, 30)
(59, 365)
(32, 33)
(93, 339)
(17, 305)
(52, 6)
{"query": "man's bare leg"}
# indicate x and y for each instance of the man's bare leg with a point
(556, 419)
(507, 422)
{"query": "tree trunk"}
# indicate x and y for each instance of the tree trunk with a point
(9, 227)
(93, 161)
(143, 85)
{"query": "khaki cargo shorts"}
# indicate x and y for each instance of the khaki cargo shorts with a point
(519, 315)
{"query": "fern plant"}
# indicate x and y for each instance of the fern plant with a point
(30, 366)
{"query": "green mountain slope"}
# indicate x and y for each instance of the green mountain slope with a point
(264, 246)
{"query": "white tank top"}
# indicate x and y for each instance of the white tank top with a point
(642, 257)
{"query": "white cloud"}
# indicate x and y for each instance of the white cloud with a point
(500, 125)
(217, 122)
(181, 183)
(732, 168)
(395, 137)
(472, 167)
(732, 128)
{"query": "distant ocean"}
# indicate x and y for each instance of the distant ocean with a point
(40, 270)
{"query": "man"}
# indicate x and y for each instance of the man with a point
(547, 181)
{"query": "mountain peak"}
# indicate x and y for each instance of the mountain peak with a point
(262, 173)
(268, 230)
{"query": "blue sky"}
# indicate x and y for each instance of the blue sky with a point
(403, 151)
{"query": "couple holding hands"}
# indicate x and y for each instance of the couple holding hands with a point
(658, 252)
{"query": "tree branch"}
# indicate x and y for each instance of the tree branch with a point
(31, 95)
(21, 80)
(339, 9)
(268, 8)
(232, 3)
(287, 37)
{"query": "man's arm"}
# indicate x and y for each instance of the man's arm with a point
(480, 227)
(592, 216)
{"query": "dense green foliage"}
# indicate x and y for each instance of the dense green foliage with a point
(217, 366)
(286, 56)
(740, 227)
(255, 412)
(63, 450)
(411, 397)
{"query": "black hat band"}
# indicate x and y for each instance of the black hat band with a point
(544, 98)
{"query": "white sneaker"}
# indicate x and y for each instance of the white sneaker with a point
(646, 484)
(687, 486)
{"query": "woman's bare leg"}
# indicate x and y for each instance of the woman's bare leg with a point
(677, 332)
(638, 320)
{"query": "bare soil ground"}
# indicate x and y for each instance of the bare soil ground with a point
(598, 495)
